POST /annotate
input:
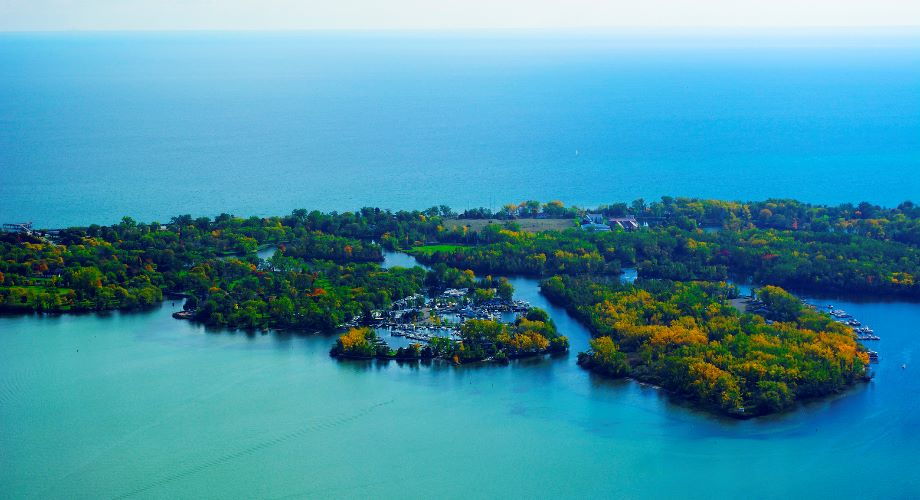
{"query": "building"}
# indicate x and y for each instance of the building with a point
(594, 219)
(590, 226)
(18, 227)
(627, 223)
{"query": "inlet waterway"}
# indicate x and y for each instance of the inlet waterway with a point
(142, 405)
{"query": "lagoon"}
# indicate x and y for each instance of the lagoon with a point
(142, 405)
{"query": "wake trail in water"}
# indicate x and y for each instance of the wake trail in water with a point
(13, 387)
(102, 453)
(325, 424)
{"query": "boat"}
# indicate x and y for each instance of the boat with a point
(840, 313)
(183, 314)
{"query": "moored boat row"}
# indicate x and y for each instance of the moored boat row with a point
(863, 332)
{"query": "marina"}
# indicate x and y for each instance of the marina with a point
(419, 318)
(863, 332)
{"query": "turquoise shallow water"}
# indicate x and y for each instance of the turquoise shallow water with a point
(97, 126)
(143, 405)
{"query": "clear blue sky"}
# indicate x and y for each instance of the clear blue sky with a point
(28, 15)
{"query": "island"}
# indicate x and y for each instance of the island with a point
(531, 334)
(680, 325)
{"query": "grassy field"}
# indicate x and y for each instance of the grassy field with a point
(28, 296)
(528, 225)
(36, 289)
(430, 249)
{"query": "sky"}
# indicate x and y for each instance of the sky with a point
(55, 15)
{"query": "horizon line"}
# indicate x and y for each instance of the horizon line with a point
(612, 29)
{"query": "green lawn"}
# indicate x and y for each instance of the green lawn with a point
(27, 296)
(430, 249)
(36, 289)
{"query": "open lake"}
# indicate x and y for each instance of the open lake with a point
(97, 126)
(94, 127)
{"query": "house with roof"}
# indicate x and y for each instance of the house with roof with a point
(595, 227)
(18, 227)
(594, 219)
(628, 223)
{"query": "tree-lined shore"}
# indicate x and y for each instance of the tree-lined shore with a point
(673, 327)
(689, 339)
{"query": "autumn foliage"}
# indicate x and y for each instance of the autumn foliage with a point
(687, 338)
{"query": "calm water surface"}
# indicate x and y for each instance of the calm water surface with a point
(122, 405)
(97, 126)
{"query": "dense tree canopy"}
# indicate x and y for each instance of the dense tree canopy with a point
(840, 260)
(689, 339)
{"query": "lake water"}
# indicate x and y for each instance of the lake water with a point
(93, 127)
(97, 126)
(125, 405)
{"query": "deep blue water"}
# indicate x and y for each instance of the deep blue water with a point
(96, 126)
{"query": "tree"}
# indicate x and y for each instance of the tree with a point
(505, 290)
(607, 357)
(300, 215)
(555, 209)
(181, 220)
(772, 396)
(783, 306)
(530, 208)
(638, 206)
(86, 280)
(537, 314)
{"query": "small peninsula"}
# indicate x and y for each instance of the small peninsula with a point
(690, 339)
